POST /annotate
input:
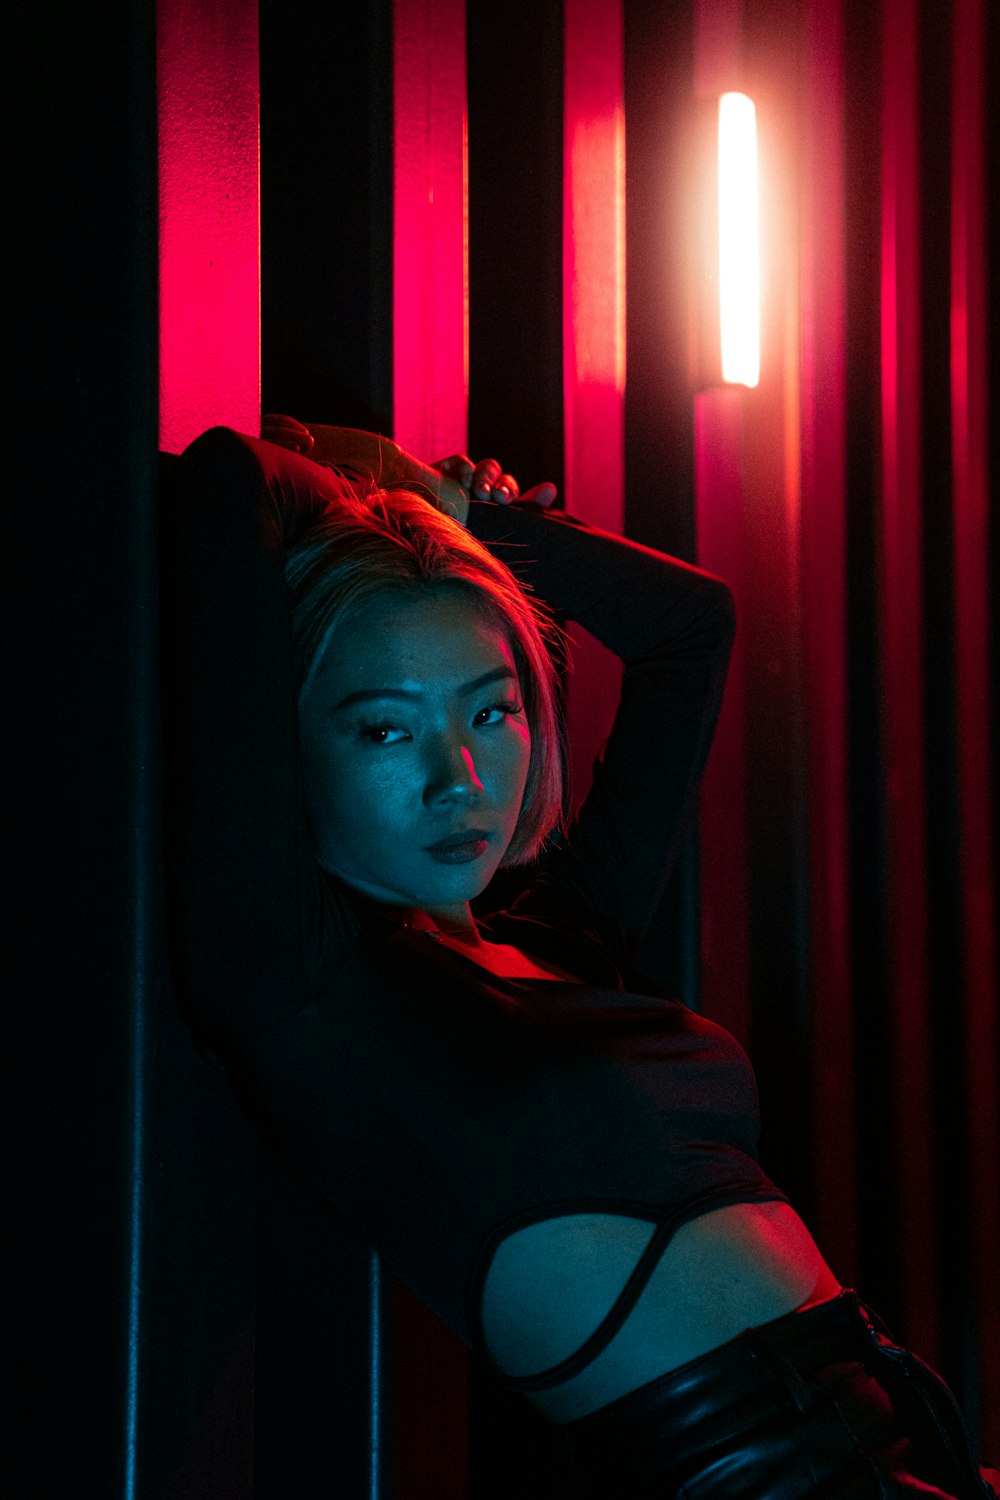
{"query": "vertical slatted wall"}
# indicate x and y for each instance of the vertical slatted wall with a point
(846, 499)
(847, 887)
(848, 845)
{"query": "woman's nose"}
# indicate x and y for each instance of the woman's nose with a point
(453, 777)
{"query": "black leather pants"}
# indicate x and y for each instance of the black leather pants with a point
(819, 1403)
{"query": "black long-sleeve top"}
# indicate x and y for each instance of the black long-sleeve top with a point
(436, 1105)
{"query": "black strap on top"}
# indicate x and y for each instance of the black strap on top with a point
(608, 1327)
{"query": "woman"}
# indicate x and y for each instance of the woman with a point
(558, 1159)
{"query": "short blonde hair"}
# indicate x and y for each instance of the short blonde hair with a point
(374, 542)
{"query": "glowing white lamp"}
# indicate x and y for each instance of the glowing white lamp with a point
(739, 255)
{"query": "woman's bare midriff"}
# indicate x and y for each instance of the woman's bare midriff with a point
(551, 1284)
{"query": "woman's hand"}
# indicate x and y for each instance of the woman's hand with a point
(448, 485)
(487, 481)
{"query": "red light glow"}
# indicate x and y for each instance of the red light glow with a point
(739, 255)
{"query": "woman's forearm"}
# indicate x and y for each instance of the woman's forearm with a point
(637, 602)
(371, 456)
(672, 627)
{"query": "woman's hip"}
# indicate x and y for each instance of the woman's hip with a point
(817, 1403)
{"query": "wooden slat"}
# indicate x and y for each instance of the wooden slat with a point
(970, 521)
(902, 682)
(719, 414)
(823, 582)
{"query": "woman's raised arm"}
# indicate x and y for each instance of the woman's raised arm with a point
(370, 456)
(252, 924)
(672, 626)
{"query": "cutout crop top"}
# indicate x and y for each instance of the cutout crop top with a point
(436, 1105)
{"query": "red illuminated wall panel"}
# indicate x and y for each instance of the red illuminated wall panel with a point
(430, 247)
(594, 260)
(208, 100)
(593, 189)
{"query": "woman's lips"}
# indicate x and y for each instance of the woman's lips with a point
(459, 852)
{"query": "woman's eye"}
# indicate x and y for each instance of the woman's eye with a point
(496, 713)
(382, 734)
(391, 734)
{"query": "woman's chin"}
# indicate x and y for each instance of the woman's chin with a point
(444, 886)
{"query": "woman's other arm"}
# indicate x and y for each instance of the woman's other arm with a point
(672, 626)
(252, 927)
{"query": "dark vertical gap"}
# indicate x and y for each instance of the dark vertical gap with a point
(139, 832)
(943, 868)
(515, 69)
(515, 72)
(326, 95)
(778, 869)
(877, 1207)
(980, 1419)
(314, 1345)
(659, 405)
(515, 167)
(326, 211)
(81, 825)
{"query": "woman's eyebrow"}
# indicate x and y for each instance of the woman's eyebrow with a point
(367, 695)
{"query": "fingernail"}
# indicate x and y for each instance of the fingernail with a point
(485, 490)
(502, 493)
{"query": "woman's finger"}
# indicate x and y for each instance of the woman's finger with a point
(485, 475)
(506, 489)
(457, 466)
(540, 494)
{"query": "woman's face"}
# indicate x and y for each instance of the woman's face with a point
(415, 751)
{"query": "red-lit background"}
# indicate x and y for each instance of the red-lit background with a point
(819, 496)
(473, 227)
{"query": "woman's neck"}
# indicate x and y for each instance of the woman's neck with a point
(454, 922)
